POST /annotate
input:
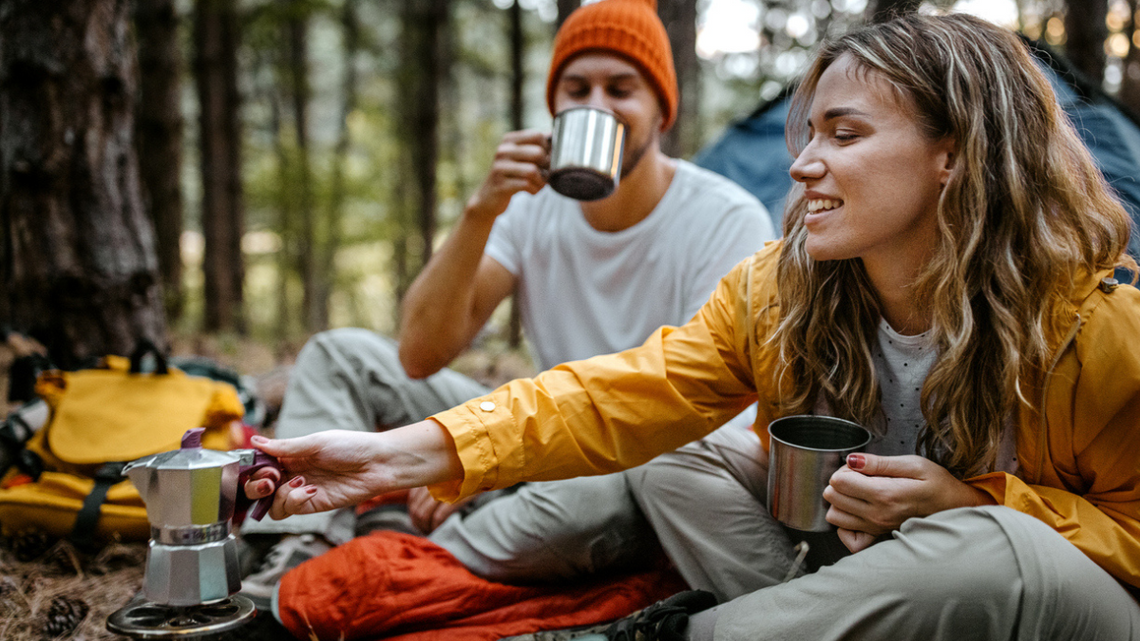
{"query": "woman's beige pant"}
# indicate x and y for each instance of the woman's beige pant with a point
(985, 573)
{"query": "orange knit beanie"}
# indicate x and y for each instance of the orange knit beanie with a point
(629, 28)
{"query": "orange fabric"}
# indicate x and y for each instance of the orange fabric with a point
(397, 497)
(629, 28)
(400, 587)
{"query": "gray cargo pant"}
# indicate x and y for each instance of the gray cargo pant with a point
(984, 573)
(352, 379)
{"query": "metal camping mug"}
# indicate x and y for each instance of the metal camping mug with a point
(803, 453)
(586, 153)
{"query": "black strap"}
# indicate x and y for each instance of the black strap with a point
(83, 534)
(142, 348)
(13, 434)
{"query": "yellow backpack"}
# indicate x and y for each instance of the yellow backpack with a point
(99, 420)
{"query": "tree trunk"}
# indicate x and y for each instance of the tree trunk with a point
(680, 19)
(315, 310)
(77, 261)
(883, 10)
(216, 37)
(1085, 33)
(517, 36)
(158, 128)
(423, 69)
(326, 275)
(565, 8)
(1130, 83)
(285, 220)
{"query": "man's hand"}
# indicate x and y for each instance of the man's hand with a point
(520, 164)
(426, 512)
(873, 495)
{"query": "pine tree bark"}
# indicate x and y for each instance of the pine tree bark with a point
(565, 8)
(1130, 83)
(423, 69)
(158, 129)
(680, 19)
(1085, 33)
(77, 261)
(315, 309)
(216, 37)
(326, 275)
(517, 37)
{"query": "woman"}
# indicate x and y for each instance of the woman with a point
(943, 203)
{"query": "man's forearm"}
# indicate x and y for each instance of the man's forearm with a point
(438, 316)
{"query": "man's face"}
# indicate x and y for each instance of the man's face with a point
(610, 82)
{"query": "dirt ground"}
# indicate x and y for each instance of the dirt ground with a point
(50, 590)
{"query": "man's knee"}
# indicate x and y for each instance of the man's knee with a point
(346, 344)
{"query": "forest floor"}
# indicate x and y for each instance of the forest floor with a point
(51, 590)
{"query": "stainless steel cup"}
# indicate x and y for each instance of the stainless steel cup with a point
(586, 153)
(803, 453)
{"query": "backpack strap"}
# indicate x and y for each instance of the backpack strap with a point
(142, 348)
(83, 534)
(15, 432)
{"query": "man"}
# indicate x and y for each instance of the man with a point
(592, 278)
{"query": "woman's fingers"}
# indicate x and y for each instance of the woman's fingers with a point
(855, 540)
(292, 498)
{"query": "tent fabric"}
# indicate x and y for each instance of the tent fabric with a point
(753, 152)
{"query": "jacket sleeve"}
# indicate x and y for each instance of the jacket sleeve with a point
(610, 412)
(1086, 481)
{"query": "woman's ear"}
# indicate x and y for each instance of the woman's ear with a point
(949, 155)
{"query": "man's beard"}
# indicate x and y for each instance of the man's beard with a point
(632, 157)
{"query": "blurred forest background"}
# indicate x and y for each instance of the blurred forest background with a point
(259, 170)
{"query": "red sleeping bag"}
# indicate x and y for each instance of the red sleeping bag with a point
(389, 585)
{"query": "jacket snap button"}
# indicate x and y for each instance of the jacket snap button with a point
(487, 406)
(1108, 284)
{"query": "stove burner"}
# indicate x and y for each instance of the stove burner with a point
(142, 619)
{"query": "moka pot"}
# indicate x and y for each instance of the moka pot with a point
(190, 494)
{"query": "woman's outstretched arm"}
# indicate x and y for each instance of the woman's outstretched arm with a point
(340, 468)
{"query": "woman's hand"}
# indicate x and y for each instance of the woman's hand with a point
(340, 468)
(872, 495)
(426, 512)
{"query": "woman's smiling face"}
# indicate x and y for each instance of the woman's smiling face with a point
(872, 177)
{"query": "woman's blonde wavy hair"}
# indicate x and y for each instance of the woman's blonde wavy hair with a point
(1024, 210)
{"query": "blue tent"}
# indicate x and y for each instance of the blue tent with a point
(752, 151)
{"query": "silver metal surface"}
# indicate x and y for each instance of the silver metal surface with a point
(804, 452)
(142, 619)
(586, 151)
(186, 487)
(191, 534)
(185, 575)
(190, 495)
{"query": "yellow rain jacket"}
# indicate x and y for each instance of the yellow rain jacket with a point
(1079, 459)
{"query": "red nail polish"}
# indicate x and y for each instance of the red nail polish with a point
(855, 461)
(311, 491)
(297, 482)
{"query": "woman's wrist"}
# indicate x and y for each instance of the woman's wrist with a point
(423, 454)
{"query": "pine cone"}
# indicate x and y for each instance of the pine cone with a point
(63, 617)
(29, 544)
(61, 559)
